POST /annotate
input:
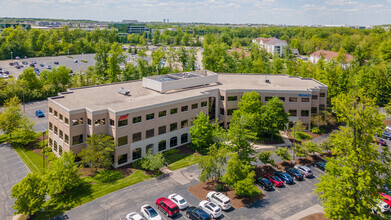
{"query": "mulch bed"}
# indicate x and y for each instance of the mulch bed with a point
(316, 216)
(261, 171)
(387, 122)
(185, 149)
(302, 161)
(201, 190)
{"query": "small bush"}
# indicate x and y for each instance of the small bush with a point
(316, 130)
(219, 187)
(170, 152)
(84, 61)
(107, 176)
(302, 136)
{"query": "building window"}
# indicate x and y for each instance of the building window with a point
(194, 106)
(122, 140)
(162, 145)
(305, 99)
(314, 110)
(222, 98)
(173, 126)
(314, 97)
(322, 94)
(122, 158)
(221, 111)
(137, 137)
(204, 104)
(184, 108)
(173, 111)
(78, 139)
(61, 117)
(137, 119)
(162, 130)
(123, 123)
(232, 98)
(66, 139)
(50, 126)
(173, 141)
(55, 113)
(100, 122)
(292, 99)
(136, 153)
(50, 142)
(282, 99)
(55, 146)
(267, 98)
(111, 122)
(61, 134)
(50, 110)
(184, 138)
(292, 112)
(184, 123)
(150, 133)
(60, 149)
(88, 121)
(321, 108)
(55, 129)
(230, 111)
(162, 113)
(150, 116)
(66, 121)
(78, 121)
(305, 113)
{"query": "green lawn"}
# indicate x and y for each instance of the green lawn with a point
(32, 160)
(177, 161)
(3, 138)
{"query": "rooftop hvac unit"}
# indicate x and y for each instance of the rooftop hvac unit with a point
(266, 80)
(123, 91)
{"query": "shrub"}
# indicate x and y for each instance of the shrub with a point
(316, 130)
(170, 152)
(219, 187)
(265, 157)
(302, 136)
(107, 176)
(283, 153)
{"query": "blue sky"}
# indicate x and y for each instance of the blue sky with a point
(296, 12)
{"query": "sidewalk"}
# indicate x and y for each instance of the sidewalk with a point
(264, 147)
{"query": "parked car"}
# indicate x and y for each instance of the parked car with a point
(386, 135)
(41, 65)
(75, 61)
(18, 58)
(179, 201)
(295, 174)
(17, 67)
(285, 177)
(386, 198)
(306, 171)
(167, 206)
(275, 180)
(383, 206)
(25, 63)
(32, 65)
(150, 213)
(48, 67)
(264, 183)
(320, 165)
(11, 64)
(134, 216)
(220, 199)
(212, 209)
(195, 213)
(39, 114)
(56, 62)
(34, 62)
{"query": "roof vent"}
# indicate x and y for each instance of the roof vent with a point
(266, 80)
(123, 91)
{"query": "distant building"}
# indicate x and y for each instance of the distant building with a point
(240, 51)
(327, 56)
(272, 45)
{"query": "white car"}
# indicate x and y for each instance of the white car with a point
(306, 171)
(133, 216)
(382, 206)
(220, 199)
(212, 209)
(178, 200)
(150, 213)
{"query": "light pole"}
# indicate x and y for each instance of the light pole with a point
(294, 144)
(43, 152)
(12, 58)
(68, 52)
(24, 111)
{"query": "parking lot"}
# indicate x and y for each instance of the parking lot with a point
(41, 124)
(282, 203)
(62, 60)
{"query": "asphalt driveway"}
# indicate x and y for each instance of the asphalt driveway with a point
(12, 170)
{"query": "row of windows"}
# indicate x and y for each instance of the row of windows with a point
(163, 113)
(151, 132)
(98, 122)
(60, 116)
(59, 132)
(54, 146)
(230, 98)
(267, 98)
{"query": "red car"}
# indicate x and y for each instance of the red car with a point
(275, 180)
(168, 207)
(386, 198)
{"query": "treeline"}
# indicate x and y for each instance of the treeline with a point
(370, 70)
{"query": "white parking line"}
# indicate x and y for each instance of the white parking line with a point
(286, 185)
(275, 188)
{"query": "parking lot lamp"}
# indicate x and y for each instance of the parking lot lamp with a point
(43, 152)
(12, 58)
(68, 52)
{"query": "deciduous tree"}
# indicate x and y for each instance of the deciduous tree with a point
(273, 118)
(152, 161)
(283, 152)
(98, 152)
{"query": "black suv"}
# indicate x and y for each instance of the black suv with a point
(295, 173)
(197, 213)
(264, 183)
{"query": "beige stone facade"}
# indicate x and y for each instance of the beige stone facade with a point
(149, 119)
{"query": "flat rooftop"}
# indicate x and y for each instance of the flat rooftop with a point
(107, 97)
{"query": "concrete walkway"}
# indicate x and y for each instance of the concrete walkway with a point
(311, 210)
(12, 170)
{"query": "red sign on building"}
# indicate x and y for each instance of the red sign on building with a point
(123, 117)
